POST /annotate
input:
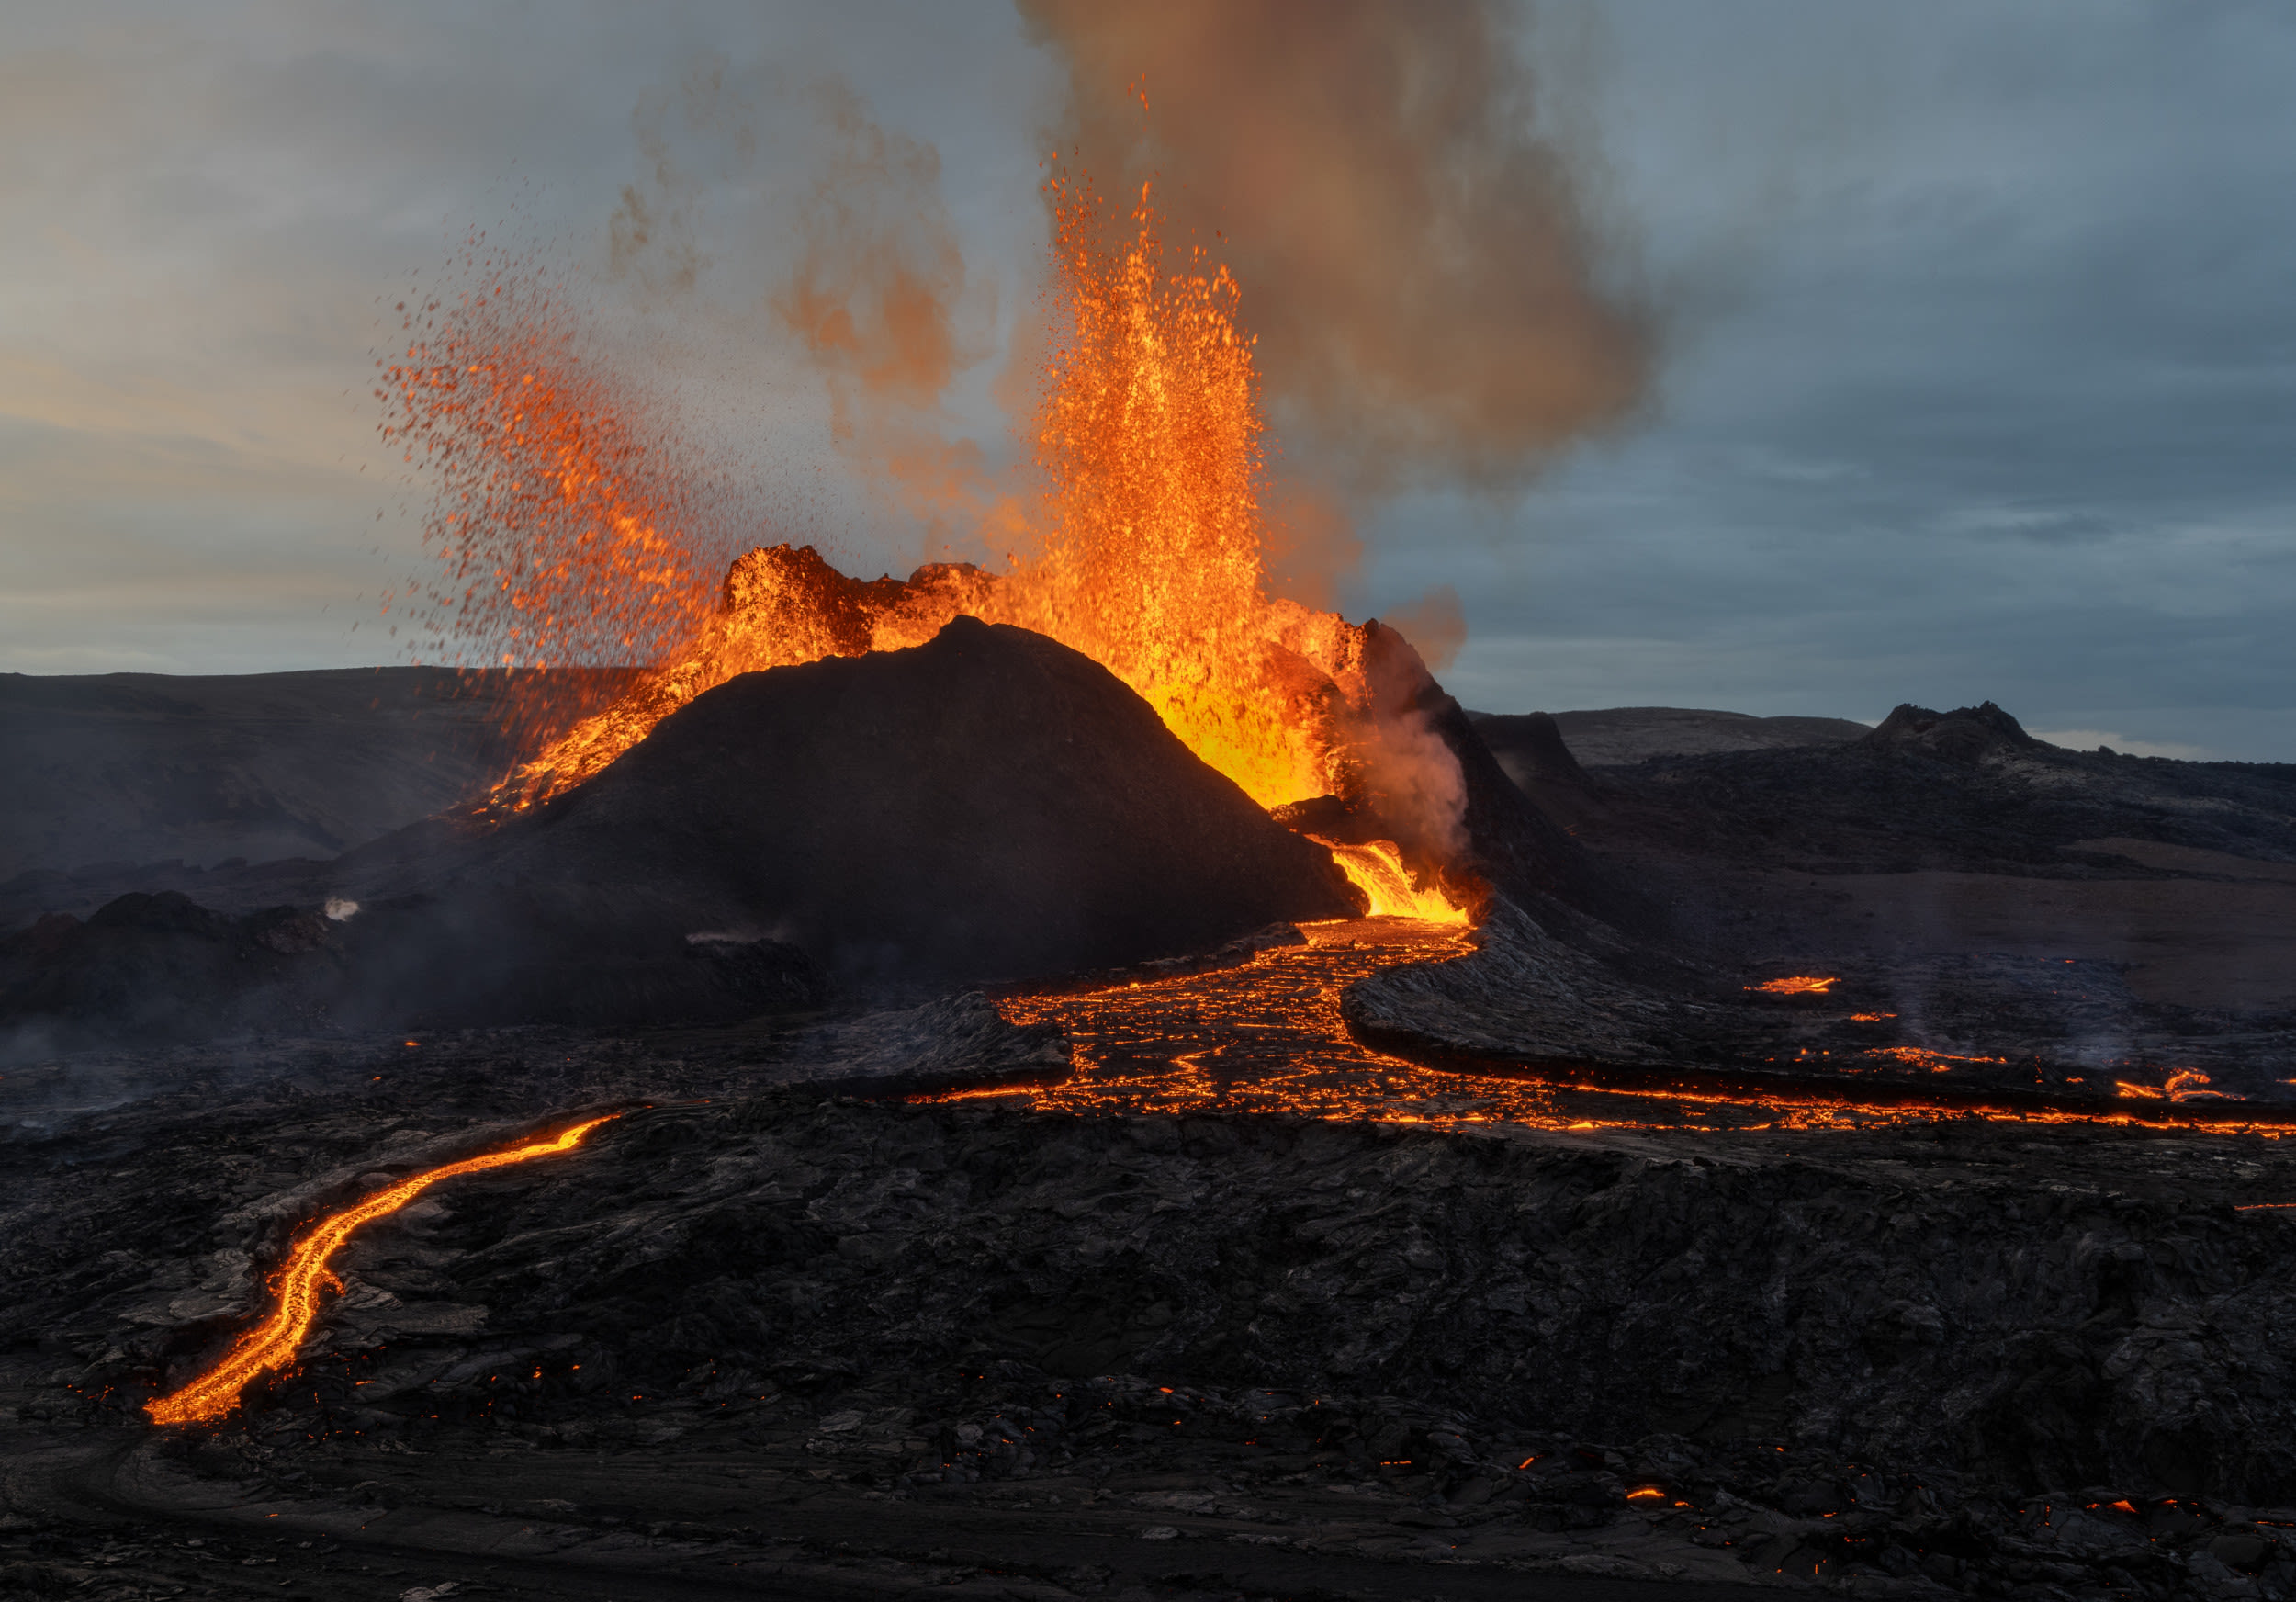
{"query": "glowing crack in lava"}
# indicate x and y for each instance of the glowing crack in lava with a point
(1797, 984)
(1150, 557)
(274, 1343)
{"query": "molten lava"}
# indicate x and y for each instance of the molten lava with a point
(1149, 435)
(2184, 1085)
(1799, 985)
(1376, 869)
(1936, 1062)
(1269, 1036)
(274, 1343)
(570, 525)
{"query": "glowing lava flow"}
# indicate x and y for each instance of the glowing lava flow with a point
(1269, 1036)
(1376, 869)
(274, 1343)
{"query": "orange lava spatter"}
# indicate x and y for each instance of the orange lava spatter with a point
(1150, 437)
(1799, 985)
(274, 1343)
(569, 526)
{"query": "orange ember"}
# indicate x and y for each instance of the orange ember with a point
(1800, 985)
(274, 1343)
(566, 524)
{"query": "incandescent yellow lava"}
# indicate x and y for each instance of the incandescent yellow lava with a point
(1376, 869)
(274, 1343)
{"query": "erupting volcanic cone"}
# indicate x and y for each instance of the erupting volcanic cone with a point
(988, 805)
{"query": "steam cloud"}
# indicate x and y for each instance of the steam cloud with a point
(1415, 263)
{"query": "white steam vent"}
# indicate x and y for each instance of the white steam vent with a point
(339, 911)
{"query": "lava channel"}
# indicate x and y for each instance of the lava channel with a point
(1269, 1036)
(274, 1343)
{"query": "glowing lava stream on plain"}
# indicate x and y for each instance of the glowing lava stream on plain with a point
(1376, 869)
(274, 1343)
(1269, 1036)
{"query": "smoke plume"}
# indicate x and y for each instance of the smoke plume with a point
(1415, 263)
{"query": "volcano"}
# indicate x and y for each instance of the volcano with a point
(989, 805)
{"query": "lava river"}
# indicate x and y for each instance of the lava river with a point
(1268, 1036)
(298, 1288)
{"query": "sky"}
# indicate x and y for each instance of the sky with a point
(1976, 349)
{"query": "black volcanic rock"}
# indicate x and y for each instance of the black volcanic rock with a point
(1531, 752)
(832, 1344)
(161, 965)
(990, 804)
(1963, 735)
(1534, 741)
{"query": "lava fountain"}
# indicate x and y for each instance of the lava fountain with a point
(1150, 558)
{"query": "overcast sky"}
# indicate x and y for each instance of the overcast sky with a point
(1977, 372)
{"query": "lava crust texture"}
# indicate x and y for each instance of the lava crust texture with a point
(1272, 1355)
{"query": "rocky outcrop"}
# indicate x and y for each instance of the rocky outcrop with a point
(1963, 735)
(162, 965)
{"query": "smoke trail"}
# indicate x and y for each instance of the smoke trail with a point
(1415, 263)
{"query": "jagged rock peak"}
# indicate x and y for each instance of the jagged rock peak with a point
(1963, 735)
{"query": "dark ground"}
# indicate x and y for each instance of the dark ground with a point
(832, 1344)
(766, 1340)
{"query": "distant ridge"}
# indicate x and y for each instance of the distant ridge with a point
(1617, 736)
